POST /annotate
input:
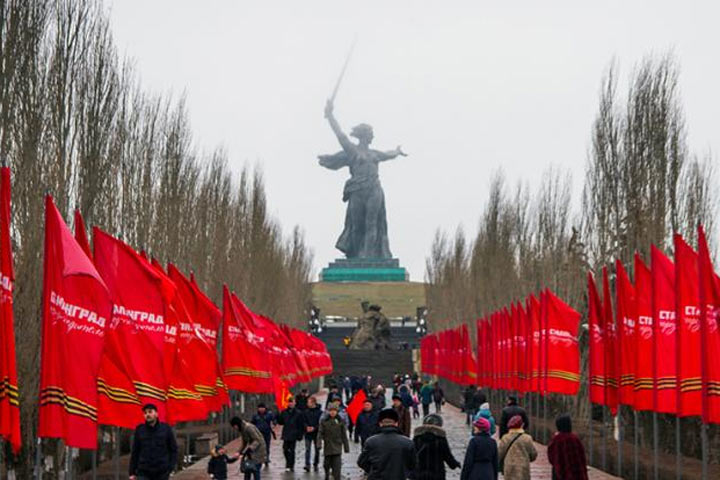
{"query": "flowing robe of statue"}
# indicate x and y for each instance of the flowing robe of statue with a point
(365, 234)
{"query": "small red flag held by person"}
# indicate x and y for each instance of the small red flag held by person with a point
(356, 405)
(9, 395)
(76, 309)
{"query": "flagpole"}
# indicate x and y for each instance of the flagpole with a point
(604, 438)
(38, 459)
(591, 434)
(635, 445)
(704, 446)
(117, 453)
(678, 460)
(655, 447)
(619, 420)
(68, 472)
(94, 464)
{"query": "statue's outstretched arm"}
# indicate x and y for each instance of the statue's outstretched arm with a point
(390, 154)
(345, 142)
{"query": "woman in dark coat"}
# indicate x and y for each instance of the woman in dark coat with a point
(432, 449)
(566, 452)
(481, 457)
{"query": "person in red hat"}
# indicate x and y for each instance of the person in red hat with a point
(516, 451)
(481, 456)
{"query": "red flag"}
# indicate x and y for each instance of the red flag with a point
(644, 396)
(689, 399)
(9, 404)
(135, 339)
(76, 307)
(665, 332)
(709, 332)
(81, 234)
(562, 353)
(198, 340)
(246, 365)
(356, 405)
(626, 322)
(597, 376)
(611, 383)
(534, 346)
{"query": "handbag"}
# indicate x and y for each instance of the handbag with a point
(501, 463)
(248, 465)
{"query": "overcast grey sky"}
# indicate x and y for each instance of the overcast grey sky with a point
(465, 87)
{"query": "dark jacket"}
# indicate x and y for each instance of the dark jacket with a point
(567, 457)
(311, 416)
(366, 425)
(405, 420)
(469, 400)
(407, 399)
(154, 450)
(333, 437)
(479, 398)
(438, 394)
(293, 423)
(301, 401)
(509, 412)
(217, 466)
(433, 452)
(378, 402)
(264, 422)
(481, 459)
(388, 455)
(426, 394)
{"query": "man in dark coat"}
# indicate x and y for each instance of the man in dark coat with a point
(333, 440)
(378, 399)
(367, 423)
(388, 455)
(312, 422)
(264, 421)
(154, 449)
(404, 420)
(510, 411)
(301, 399)
(293, 423)
(438, 397)
(433, 450)
(469, 403)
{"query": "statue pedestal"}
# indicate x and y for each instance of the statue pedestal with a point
(364, 270)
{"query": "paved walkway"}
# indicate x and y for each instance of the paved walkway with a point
(458, 435)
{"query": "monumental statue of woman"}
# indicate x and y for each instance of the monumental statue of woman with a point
(365, 234)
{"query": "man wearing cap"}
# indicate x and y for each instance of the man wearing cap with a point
(510, 411)
(264, 421)
(403, 412)
(388, 455)
(332, 439)
(154, 449)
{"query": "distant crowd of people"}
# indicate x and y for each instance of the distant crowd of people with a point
(388, 450)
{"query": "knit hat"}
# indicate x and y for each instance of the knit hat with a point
(485, 406)
(388, 414)
(333, 406)
(396, 397)
(515, 422)
(433, 419)
(482, 424)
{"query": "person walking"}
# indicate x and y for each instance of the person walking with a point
(404, 420)
(566, 452)
(264, 421)
(481, 456)
(312, 422)
(154, 448)
(301, 399)
(432, 449)
(332, 439)
(468, 405)
(516, 451)
(378, 398)
(511, 409)
(426, 397)
(217, 466)
(484, 412)
(366, 424)
(388, 455)
(293, 430)
(438, 397)
(252, 446)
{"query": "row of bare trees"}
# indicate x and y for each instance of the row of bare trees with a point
(641, 185)
(76, 122)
